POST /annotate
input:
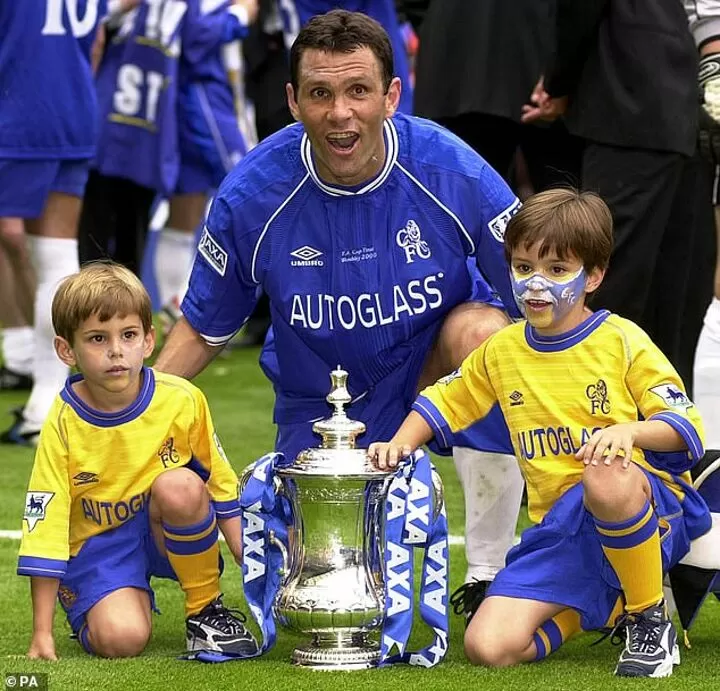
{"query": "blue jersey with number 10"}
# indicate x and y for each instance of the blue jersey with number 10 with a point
(47, 99)
(357, 276)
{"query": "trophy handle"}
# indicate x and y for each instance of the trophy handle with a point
(283, 552)
(439, 493)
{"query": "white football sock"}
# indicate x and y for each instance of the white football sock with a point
(173, 259)
(18, 345)
(493, 487)
(706, 376)
(54, 259)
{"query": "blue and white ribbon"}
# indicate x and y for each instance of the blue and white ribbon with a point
(263, 513)
(411, 521)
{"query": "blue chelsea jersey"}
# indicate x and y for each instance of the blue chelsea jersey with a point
(137, 94)
(47, 98)
(296, 13)
(362, 277)
(137, 84)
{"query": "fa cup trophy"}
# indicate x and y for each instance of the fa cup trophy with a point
(333, 588)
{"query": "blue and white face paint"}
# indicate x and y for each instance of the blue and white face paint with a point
(544, 301)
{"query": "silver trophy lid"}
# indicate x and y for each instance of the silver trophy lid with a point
(337, 454)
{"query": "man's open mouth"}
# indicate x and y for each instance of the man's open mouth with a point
(344, 142)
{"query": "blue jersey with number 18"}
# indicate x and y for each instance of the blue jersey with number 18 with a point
(47, 99)
(360, 277)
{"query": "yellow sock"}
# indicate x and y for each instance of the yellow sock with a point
(194, 554)
(633, 550)
(554, 632)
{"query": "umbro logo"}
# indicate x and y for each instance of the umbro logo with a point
(516, 398)
(306, 256)
(85, 478)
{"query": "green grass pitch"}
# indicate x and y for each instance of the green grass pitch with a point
(241, 401)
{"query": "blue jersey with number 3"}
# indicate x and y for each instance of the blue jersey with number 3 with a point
(47, 98)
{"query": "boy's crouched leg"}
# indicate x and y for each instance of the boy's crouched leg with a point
(505, 631)
(119, 625)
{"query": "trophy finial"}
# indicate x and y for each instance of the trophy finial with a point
(339, 396)
(339, 431)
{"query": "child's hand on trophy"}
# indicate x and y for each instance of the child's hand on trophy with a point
(387, 454)
(413, 433)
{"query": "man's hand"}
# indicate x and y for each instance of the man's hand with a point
(542, 106)
(709, 133)
(42, 647)
(386, 455)
(607, 444)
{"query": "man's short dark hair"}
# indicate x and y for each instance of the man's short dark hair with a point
(340, 31)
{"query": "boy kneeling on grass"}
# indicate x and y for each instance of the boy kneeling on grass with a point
(604, 434)
(129, 482)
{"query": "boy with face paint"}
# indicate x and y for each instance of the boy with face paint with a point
(605, 436)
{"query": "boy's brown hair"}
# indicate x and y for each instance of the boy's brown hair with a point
(103, 288)
(567, 221)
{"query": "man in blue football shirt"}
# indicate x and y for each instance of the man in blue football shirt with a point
(378, 241)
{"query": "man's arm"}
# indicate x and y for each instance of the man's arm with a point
(576, 26)
(185, 353)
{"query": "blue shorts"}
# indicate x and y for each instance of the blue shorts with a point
(124, 557)
(561, 559)
(209, 137)
(25, 184)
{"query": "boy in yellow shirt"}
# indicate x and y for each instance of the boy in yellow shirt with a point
(604, 434)
(129, 481)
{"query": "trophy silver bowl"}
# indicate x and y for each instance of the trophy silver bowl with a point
(333, 587)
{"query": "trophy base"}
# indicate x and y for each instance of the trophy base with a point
(337, 659)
